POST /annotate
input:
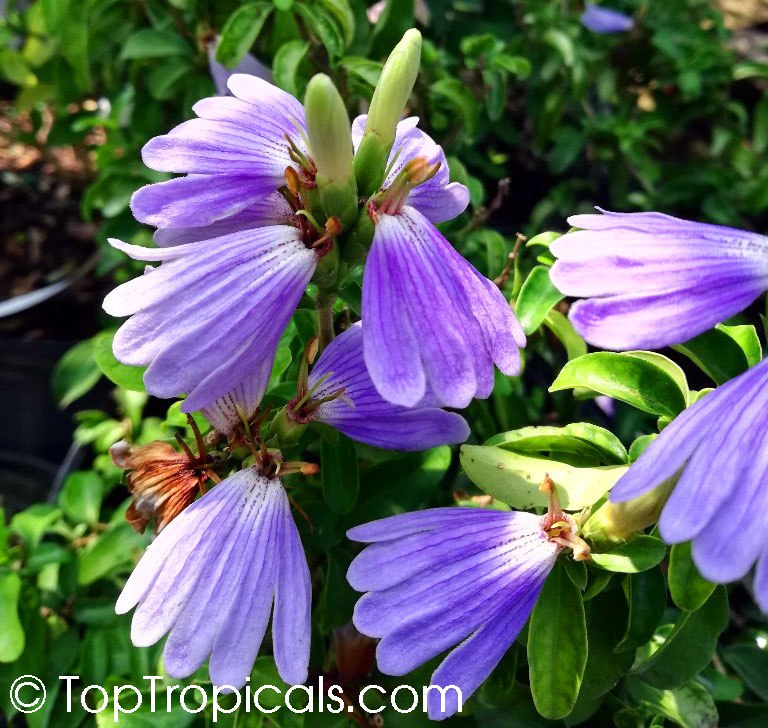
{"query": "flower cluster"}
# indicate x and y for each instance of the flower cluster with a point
(278, 204)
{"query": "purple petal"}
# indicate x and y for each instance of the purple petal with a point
(270, 210)
(198, 200)
(416, 282)
(719, 502)
(210, 578)
(364, 415)
(212, 314)
(438, 199)
(605, 20)
(652, 280)
(455, 578)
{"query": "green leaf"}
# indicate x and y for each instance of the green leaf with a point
(557, 646)
(112, 550)
(717, 354)
(121, 374)
(32, 523)
(689, 706)
(341, 11)
(459, 98)
(641, 553)
(339, 474)
(537, 296)
(627, 377)
(689, 589)
(285, 65)
(563, 329)
(515, 479)
(760, 126)
(325, 28)
(367, 71)
(689, 646)
(606, 616)
(75, 374)
(164, 79)
(577, 572)
(148, 43)
(751, 663)
(646, 595)
(80, 498)
(747, 339)
(544, 239)
(241, 31)
(581, 439)
(11, 631)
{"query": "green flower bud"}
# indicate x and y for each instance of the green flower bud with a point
(330, 145)
(387, 106)
(615, 523)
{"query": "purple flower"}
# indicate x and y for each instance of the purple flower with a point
(208, 319)
(451, 576)
(652, 280)
(221, 74)
(210, 578)
(431, 320)
(605, 20)
(353, 406)
(233, 155)
(719, 448)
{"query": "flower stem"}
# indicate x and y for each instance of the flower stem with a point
(325, 332)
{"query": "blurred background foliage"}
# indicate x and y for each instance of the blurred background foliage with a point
(539, 116)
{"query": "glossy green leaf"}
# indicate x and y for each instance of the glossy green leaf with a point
(34, 522)
(241, 31)
(114, 549)
(75, 374)
(577, 572)
(339, 474)
(717, 354)
(366, 70)
(341, 11)
(557, 646)
(121, 374)
(515, 479)
(580, 439)
(11, 631)
(80, 497)
(606, 616)
(747, 339)
(689, 706)
(639, 554)
(646, 594)
(148, 43)
(285, 65)
(751, 663)
(325, 28)
(626, 377)
(688, 648)
(689, 589)
(563, 329)
(537, 296)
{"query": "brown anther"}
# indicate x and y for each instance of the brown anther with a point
(310, 352)
(333, 226)
(292, 180)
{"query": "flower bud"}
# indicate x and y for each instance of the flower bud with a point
(614, 523)
(330, 143)
(387, 106)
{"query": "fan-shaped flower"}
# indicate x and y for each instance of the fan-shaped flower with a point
(340, 393)
(210, 578)
(719, 446)
(209, 318)
(452, 576)
(233, 155)
(604, 20)
(652, 280)
(432, 321)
